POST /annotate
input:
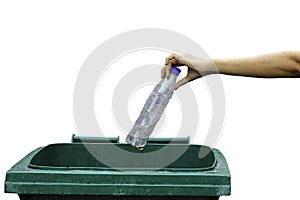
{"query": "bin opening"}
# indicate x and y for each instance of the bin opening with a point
(122, 156)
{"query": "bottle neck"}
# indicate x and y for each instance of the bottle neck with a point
(173, 77)
(169, 82)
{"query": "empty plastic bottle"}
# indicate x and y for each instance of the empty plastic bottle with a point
(152, 110)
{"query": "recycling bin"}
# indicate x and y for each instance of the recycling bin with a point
(111, 170)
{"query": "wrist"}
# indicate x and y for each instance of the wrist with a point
(210, 67)
(224, 66)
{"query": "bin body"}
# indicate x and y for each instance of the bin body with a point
(73, 171)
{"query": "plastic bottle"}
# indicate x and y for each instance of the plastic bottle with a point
(152, 110)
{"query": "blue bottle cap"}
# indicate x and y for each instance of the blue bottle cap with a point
(175, 70)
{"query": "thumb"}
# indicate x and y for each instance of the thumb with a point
(180, 83)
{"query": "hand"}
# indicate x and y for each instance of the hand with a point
(197, 67)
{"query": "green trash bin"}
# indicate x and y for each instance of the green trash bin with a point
(98, 171)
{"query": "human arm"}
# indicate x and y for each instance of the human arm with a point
(276, 65)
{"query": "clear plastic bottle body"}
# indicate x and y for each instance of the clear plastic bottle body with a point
(152, 111)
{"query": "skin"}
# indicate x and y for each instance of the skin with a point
(275, 65)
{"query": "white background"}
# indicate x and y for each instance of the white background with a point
(43, 45)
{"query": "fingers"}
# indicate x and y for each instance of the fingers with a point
(180, 83)
(163, 72)
(168, 70)
(172, 59)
